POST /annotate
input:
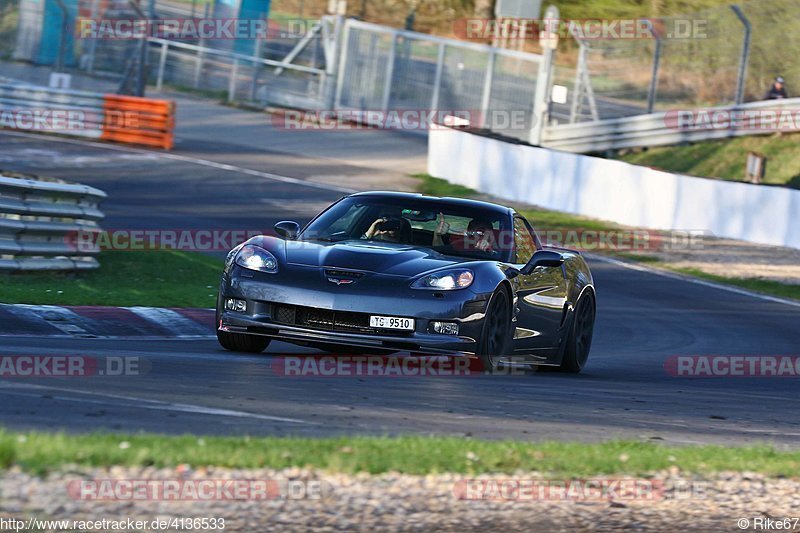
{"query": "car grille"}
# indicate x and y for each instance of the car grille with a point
(325, 319)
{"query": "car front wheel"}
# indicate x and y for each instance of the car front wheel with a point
(494, 341)
(239, 342)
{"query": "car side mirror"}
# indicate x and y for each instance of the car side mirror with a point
(543, 258)
(287, 229)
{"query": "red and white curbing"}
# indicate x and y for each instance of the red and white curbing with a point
(105, 321)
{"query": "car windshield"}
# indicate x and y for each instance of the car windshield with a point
(450, 229)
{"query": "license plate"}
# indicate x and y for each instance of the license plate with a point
(391, 322)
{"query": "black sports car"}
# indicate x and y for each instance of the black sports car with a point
(386, 272)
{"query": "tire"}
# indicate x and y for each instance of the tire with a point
(239, 342)
(579, 341)
(494, 339)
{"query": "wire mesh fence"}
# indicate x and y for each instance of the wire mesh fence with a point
(383, 69)
(690, 61)
(30, 31)
(699, 60)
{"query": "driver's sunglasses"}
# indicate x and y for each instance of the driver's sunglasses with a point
(476, 233)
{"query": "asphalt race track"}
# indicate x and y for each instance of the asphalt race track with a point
(195, 386)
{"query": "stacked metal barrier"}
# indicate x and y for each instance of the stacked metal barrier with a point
(40, 222)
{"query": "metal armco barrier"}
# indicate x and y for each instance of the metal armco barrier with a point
(38, 222)
(110, 117)
(664, 128)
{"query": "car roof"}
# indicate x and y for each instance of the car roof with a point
(461, 202)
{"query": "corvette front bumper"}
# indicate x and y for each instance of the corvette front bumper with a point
(414, 342)
(265, 293)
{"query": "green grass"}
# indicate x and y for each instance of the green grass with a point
(774, 288)
(156, 278)
(41, 452)
(764, 286)
(726, 158)
(542, 219)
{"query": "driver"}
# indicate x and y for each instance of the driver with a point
(389, 229)
(479, 235)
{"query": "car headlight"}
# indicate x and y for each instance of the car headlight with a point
(256, 258)
(446, 280)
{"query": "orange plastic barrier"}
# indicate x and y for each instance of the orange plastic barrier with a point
(143, 121)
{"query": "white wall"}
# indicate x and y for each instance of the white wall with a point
(616, 191)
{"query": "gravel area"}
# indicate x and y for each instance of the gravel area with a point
(736, 259)
(398, 502)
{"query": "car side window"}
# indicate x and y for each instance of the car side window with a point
(524, 245)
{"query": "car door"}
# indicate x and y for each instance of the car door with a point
(541, 298)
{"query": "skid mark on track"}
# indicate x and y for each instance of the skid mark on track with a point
(142, 403)
(689, 279)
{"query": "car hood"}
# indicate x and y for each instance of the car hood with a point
(384, 258)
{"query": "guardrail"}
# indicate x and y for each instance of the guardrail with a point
(668, 127)
(39, 220)
(125, 119)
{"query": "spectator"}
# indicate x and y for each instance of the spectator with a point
(777, 90)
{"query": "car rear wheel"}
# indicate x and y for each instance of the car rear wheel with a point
(239, 342)
(579, 342)
(494, 341)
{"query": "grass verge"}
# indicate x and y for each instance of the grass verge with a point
(150, 278)
(765, 286)
(773, 288)
(543, 219)
(727, 158)
(41, 452)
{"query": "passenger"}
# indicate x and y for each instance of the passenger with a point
(478, 237)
